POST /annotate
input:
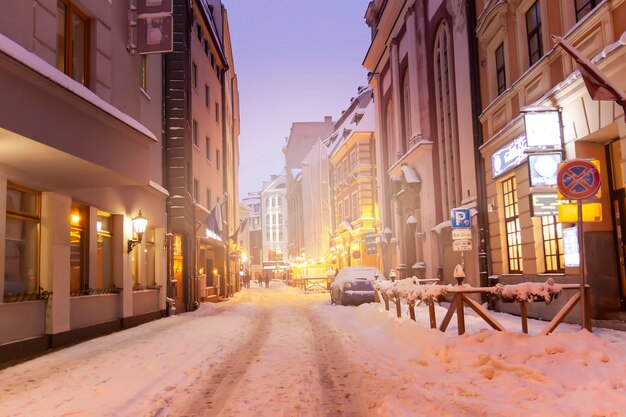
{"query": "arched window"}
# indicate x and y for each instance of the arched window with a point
(446, 128)
(406, 110)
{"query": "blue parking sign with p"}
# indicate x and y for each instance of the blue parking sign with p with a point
(461, 218)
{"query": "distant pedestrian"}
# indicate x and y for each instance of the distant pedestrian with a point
(246, 280)
(259, 279)
(266, 278)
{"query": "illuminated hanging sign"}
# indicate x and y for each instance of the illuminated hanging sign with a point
(544, 204)
(509, 156)
(543, 129)
(543, 168)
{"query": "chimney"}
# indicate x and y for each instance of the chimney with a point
(328, 119)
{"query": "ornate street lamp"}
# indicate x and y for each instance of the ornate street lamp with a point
(139, 228)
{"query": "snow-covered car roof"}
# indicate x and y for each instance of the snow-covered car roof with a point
(352, 273)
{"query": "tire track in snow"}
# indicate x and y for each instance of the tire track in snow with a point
(340, 379)
(225, 379)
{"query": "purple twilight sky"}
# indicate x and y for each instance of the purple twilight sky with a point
(296, 60)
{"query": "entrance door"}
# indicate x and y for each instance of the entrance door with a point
(619, 214)
(619, 218)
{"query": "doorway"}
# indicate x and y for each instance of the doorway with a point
(618, 206)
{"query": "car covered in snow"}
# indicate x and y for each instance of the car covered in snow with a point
(353, 285)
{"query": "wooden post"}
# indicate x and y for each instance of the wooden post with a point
(524, 318)
(386, 299)
(376, 297)
(398, 308)
(588, 309)
(412, 311)
(460, 317)
(431, 314)
(446, 320)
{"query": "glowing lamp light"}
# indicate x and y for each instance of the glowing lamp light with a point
(75, 218)
(139, 228)
(98, 226)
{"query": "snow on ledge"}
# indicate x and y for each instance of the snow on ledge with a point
(32, 61)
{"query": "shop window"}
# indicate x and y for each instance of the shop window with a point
(552, 244)
(500, 69)
(21, 257)
(78, 249)
(72, 56)
(583, 7)
(104, 251)
(512, 223)
(533, 34)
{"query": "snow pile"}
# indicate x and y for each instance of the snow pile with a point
(410, 290)
(528, 292)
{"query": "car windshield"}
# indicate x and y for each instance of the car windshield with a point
(354, 273)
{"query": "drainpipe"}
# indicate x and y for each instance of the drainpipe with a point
(225, 182)
(484, 256)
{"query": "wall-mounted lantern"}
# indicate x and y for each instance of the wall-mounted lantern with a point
(139, 227)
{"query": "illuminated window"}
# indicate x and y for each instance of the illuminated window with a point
(552, 244)
(72, 56)
(513, 231)
(104, 251)
(500, 69)
(21, 255)
(533, 34)
(584, 6)
(78, 249)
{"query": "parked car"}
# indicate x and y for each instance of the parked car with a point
(353, 285)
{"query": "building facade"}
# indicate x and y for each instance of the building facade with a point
(72, 265)
(523, 75)
(255, 245)
(273, 221)
(201, 153)
(418, 62)
(352, 164)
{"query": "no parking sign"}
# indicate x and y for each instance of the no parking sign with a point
(578, 179)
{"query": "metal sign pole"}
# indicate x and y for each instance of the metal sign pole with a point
(581, 252)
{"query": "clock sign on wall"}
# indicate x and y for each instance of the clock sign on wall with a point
(543, 168)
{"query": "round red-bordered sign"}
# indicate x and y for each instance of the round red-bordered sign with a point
(578, 179)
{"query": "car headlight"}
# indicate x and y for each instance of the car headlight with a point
(347, 285)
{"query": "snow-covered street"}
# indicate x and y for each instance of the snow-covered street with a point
(280, 352)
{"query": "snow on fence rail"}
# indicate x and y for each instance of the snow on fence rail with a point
(411, 291)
